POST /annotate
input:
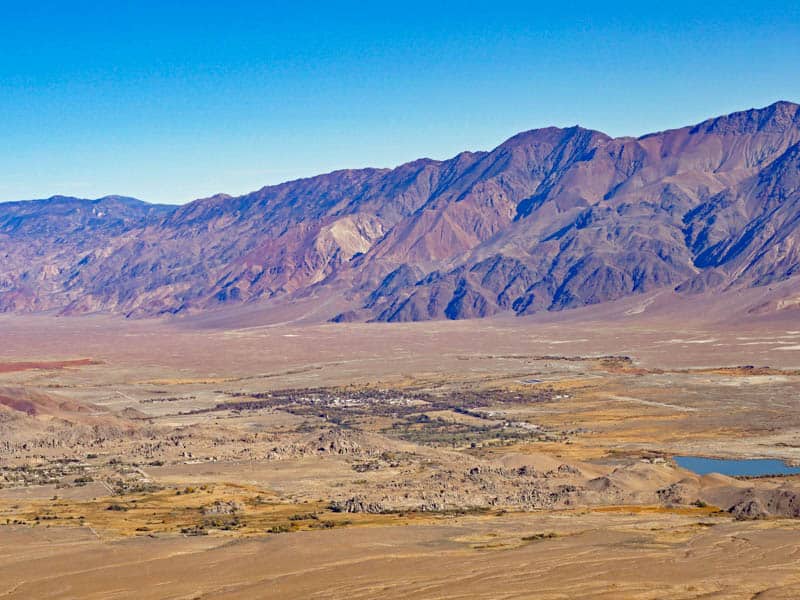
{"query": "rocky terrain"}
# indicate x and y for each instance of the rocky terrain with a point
(151, 458)
(551, 219)
(564, 439)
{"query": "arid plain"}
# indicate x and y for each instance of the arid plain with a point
(497, 458)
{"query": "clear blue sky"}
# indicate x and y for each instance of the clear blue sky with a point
(170, 101)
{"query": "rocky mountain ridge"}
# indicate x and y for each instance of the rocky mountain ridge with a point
(551, 219)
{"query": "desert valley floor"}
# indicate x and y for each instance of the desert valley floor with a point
(497, 458)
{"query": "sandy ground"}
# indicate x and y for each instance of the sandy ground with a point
(681, 392)
(597, 556)
(328, 353)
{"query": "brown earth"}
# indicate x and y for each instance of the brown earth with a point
(47, 365)
(497, 458)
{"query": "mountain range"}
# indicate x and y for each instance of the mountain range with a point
(551, 219)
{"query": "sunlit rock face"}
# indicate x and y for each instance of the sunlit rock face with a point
(549, 220)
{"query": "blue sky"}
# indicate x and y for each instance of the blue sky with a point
(171, 101)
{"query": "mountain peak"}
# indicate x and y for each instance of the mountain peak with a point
(552, 218)
(777, 117)
(550, 135)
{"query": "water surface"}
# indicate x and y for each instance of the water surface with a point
(752, 467)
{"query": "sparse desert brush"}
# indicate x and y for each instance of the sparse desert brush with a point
(303, 517)
(538, 536)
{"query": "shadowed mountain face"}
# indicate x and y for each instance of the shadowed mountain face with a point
(551, 219)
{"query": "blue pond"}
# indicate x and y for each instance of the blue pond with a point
(735, 468)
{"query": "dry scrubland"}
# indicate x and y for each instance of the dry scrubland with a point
(485, 459)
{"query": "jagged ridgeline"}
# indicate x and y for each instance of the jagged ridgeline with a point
(550, 219)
